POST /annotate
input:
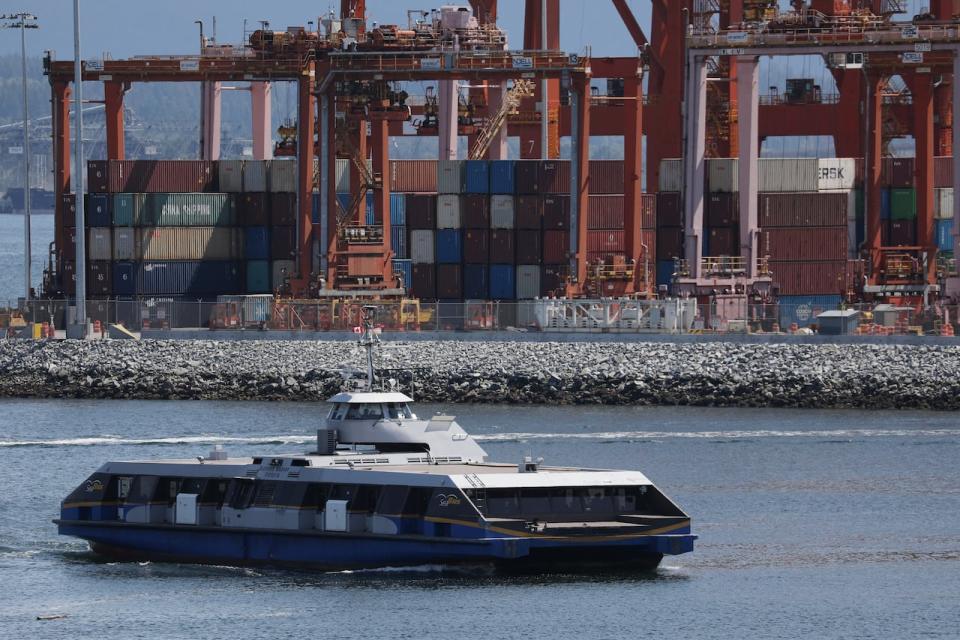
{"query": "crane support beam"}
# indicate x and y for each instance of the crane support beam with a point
(113, 102)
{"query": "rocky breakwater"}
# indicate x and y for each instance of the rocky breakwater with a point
(718, 374)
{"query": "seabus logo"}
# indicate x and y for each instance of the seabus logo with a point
(450, 500)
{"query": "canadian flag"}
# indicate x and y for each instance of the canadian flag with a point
(358, 329)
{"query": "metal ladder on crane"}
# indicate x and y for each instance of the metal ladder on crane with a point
(368, 179)
(511, 101)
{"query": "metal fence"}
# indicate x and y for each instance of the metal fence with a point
(725, 315)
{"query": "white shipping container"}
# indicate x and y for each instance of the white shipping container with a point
(283, 176)
(255, 175)
(501, 212)
(528, 281)
(943, 203)
(98, 243)
(836, 174)
(190, 243)
(723, 175)
(343, 175)
(281, 269)
(124, 243)
(421, 246)
(671, 175)
(231, 175)
(851, 205)
(788, 174)
(450, 174)
(448, 212)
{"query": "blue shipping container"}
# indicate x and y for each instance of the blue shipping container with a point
(501, 176)
(256, 243)
(189, 278)
(476, 284)
(405, 268)
(97, 213)
(398, 242)
(803, 310)
(258, 276)
(449, 246)
(664, 272)
(503, 280)
(398, 209)
(124, 280)
(884, 204)
(315, 209)
(477, 176)
(345, 199)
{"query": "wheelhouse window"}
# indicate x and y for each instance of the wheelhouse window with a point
(365, 411)
(339, 411)
(399, 411)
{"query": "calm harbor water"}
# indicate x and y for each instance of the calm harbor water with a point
(11, 253)
(812, 524)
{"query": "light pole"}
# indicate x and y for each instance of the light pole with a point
(24, 21)
(80, 270)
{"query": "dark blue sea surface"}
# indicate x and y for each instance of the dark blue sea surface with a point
(812, 524)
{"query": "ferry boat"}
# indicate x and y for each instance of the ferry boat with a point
(383, 487)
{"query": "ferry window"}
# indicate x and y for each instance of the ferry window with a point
(315, 497)
(339, 411)
(503, 503)
(365, 412)
(627, 499)
(417, 501)
(239, 493)
(214, 492)
(123, 487)
(535, 501)
(264, 494)
(596, 500)
(167, 490)
(392, 499)
(399, 411)
(366, 498)
(192, 485)
(143, 489)
(290, 494)
(565, 500)
(343, 492)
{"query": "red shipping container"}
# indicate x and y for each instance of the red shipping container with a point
(449, 281)
(69, 250)
(528, 212)
(723, 241)
(903, 233)
(898, 172)
(283, 243)
(68, 278)
(556, 212)
(605, 176)
(476, 246)
(99, 278)
(669, 213)
(609, 241)
(553, 279)
(417, 176)
(648, 211)
(943, 172)
(723, 209)
(810, 278)
(162, 176)
(421, 211)
(669, 243)
(475, 212)
(554, 176)
(648, 248)
(424, 283)
(556, 246)
(804, 243)
(529, 249)
(502, 249)
(252, 209)
(802, 209)
(527, 177)
(98, 176)
(606, 257)
(605, 212)
(283, 209)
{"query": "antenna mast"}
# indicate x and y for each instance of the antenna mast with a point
(368, 339)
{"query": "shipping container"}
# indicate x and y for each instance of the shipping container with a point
(68, 204)
(158, 244)
(722, 209)
(502, 248)
(944, 233)
(528, 281)
(669, 243)
(723, 175)
(413, 176)
(803, 310)
(398, 209)
(99, 278)
(836, 174)
(281, 270)
(230, 174)
(671, 175)
(898, 173)
(450, 176)
(258, 277)
(903, 204)
(788, 174)
(68, 278)
(449, 246)
(475, 212)
(398, 242)
(448, 212)
(502, 177)
(556, 212)
(404, 269)
(424, 282)
(476, 177)
(527, 177)
(255, 175)
(283, 243)
(605, 212)
(669, 213)
(96, 210)
(943, 203)
(606, 177)
(528, 212)
(476, 245)
(606, 241)
(422, 246)
(124, 243)
(476, 282)
(553, 278)
(421, 211)
(98, 176)
(126, 208)
(722, 241)
(345, 202)
(314, 209)
(502, 215)
(503, 282)
(805, 243)
(529, 246)
(124, 280)
(902, 233)
(282, 176)
(665, 270)
(943, 172)
(256, 243)
(885, 204)
(188, 210)
(341, 175)
(283, 209)
(189, 278)
(253, 210)
(648, 211)
(556, 246)
(806, 209)
(69, 250)
(99, 243)
(450, 281)
(807, 278)
(162, 176)
(554, 176)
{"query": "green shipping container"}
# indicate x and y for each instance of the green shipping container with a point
(903, 204)
(126, 209)
(188, 210)
(258, 276)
